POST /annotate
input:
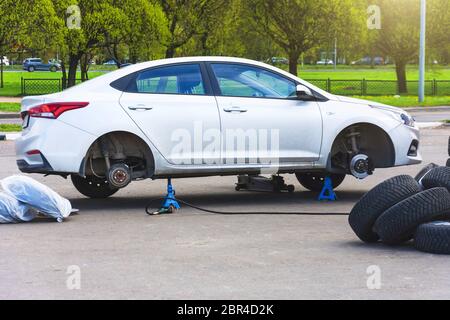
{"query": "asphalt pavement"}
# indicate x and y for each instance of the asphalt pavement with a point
(114, 250)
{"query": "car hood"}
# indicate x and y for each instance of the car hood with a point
(370, 104)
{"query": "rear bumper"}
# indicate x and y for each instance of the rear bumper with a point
(44, 168)
(51, 147)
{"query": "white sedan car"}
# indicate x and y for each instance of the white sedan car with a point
(208, 116)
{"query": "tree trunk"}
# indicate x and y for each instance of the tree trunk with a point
(1, 71)
(293, 62)
(64, 75)
(170, 52)
(204, 44)
(400, 68)
(73, 66)
(83, 68)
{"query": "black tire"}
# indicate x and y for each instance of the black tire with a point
(433, 237)
(387, 194)
(314, 181)
(449, 146)
(437, 178)
(31, 69)
(93, 187)
(399, 223)
(425, 171)
(53, 69)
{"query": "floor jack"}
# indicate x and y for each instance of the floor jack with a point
(170, 204)
(263, 184)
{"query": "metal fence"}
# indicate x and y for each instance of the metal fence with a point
(341, 87)
(380, 87)
(39, 86)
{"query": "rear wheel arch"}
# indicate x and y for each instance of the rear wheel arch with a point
(129, 143)
(374, 141)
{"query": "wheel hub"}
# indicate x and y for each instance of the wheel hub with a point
(119, 175)
(360, 166)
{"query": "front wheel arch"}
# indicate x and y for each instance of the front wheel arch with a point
(374, 141)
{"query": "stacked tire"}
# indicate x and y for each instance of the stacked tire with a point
(404, 208)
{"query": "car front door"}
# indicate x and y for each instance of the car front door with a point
(175, 108)
(262, 119)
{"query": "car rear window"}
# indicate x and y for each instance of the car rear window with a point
(183, 79)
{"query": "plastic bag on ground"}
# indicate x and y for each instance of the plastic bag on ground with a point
(12, 211)
(38, 196)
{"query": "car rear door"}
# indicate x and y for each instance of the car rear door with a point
(262, 119)
(175, 108)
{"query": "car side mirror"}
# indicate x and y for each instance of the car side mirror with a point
(304, 93)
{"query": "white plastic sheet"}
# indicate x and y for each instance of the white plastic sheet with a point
(38, 196)
(12, 211)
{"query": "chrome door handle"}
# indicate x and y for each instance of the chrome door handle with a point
(235, 109)
(140, 108)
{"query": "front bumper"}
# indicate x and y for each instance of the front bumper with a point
(406, 141)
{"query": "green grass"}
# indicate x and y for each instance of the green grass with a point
(410, 101)
(10, 128)
(9, 107)
(12, 80)
(379, 73)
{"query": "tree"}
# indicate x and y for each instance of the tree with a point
(185, 19)
(11, 23)
(438, 26)
(137, 25)
(299, 25)
(399, 35)
(25, 24)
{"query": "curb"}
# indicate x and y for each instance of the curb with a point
(429, 125)
(10, 136)
(11, 99)
(427, 109)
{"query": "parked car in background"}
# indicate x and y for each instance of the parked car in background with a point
(377, 61)
(5, 61)
(110, 63)
(123, 65)
(325, 62)
(36, 64)
(278, 60)
(139, 122)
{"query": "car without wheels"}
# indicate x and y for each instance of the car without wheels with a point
(208, 116)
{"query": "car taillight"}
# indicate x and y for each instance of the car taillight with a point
(33, 152)
(54, 110)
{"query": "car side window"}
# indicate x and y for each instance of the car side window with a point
(183, 79)
(249, 81)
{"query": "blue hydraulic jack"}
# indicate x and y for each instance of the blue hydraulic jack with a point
(170, 204)
(328, 193)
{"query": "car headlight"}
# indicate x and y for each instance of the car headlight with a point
(408, 120)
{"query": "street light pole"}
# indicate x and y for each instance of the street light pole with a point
(335, 53)
(423, 19)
